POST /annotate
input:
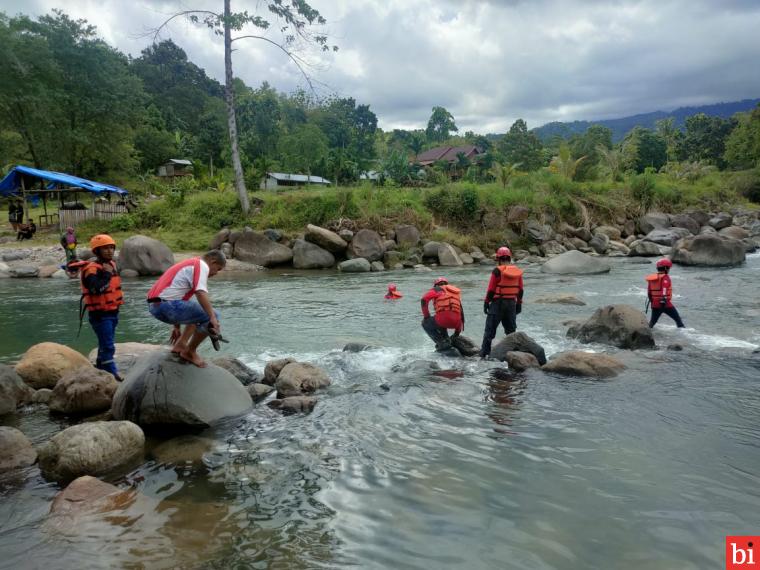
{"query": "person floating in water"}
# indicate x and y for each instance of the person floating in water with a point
(447, 302)
(170, 297)
(660, 294)
(69, 244)
(102, 297)
(393, 293)
(503, 300)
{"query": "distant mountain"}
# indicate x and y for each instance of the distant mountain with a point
(647, 120)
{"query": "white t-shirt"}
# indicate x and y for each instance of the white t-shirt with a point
(183, 282)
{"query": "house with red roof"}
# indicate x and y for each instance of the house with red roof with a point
(446, 153)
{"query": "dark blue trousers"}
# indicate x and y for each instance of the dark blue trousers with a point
(104, 325)
(671, 312)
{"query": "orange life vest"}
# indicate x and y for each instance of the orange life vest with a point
(508, 286)
(449, 300)
(654, 283)
(111, 298)
(168, 276)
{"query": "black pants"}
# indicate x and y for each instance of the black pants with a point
(671, 312)
(436, 333)
(504, 312)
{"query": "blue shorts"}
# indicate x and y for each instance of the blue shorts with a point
(181, 313)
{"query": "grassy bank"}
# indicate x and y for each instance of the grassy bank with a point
(462, 213)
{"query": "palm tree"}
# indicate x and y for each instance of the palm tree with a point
(612, 159)
(564, 164)
(503, 173)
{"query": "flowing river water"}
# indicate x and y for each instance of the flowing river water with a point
(400, 468)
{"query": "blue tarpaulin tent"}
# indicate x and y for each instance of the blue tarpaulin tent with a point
(25, 181)
(12, 183)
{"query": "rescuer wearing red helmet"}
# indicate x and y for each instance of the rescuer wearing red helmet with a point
(101, 299)
(393, 294)
(660, 294)
(447, 302)
(503, 299)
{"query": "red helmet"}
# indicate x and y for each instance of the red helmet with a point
(440, 281)
(391, 286)
(664, 263)
(503, 252)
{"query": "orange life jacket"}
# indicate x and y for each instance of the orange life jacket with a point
(654, 284)
(168, 276)
(449, 300)
(110, 299)
(508, 286)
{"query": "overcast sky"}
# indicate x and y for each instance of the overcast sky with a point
(488, 62)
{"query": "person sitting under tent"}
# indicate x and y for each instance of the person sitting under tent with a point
(26, 231)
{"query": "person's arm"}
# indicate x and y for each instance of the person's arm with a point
(666, 288)
(205, 302)
(97, 282)
(491, 291)
(426, 298)
(521, 291)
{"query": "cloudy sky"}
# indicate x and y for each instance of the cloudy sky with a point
(487, 61)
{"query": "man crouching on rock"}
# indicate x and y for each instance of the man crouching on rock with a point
(170, 301)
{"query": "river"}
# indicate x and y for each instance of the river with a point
(398, 468)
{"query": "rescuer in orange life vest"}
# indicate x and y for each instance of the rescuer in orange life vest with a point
(503, 299)
(393, 294)
(447, 302)
(102, 297)
(660, 294)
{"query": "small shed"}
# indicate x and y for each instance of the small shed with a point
(175, 167)
(25, 182)
(277, 180)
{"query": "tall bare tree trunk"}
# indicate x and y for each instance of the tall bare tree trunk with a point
(231, 122)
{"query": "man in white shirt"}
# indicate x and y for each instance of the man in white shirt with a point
(170, 301)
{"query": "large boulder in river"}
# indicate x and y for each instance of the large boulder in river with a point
(145, 255)
(358, 265)
(653, 221)
(521, 361)
(520, 342)
(239, 370)
(407, 236)
(641, 248)
(45, 363)
(307, 255)
(430, 249)
(721, 220)
(734, 232)
(686, 222)
(599, 243)
(618, 325)
(585, 364)
(667, 237)
(325, 239)
(162, 390)
(273, 368)
(15, 449)
(13, 391)
(710, 250)
(367, 244)
(127, 354)
(298, 378)
(465, 345)
(91, 448)
(83, 390)
(255, 247)
(448, 256)
(575, 263)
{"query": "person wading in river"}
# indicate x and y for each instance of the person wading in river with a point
(393, 294)
(503, 300)
(170, 301)
(101, 298)
(447, 302)
(660, 294)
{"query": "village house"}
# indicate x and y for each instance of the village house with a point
(277, 180)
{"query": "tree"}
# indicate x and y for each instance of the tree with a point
(705, 139)
(611, 160)
(586, 145)
(503, 173)
(667, 130)
(296, 21)
(440, 125)
(259, 114)
(642, 149)
(564, 164)
(303, 149)
(416, 143)
(521, 146)
(743, 144)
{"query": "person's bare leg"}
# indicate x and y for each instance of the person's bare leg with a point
(190, 353)
(184, 339)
